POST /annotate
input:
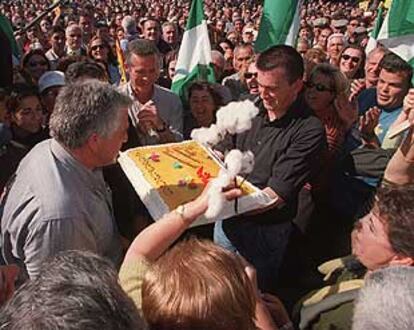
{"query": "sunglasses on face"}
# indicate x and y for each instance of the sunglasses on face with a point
(249, 75)
(318, 87)
(354, 59)
(97, 47)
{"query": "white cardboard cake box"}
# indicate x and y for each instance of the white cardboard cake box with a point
(156, 205)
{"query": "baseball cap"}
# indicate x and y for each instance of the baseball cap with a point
(51, 79)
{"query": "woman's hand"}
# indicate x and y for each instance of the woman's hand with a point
(357, 86)
(200, 205)
(347, 110)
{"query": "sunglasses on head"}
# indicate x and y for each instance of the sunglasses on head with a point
(318, 87)
(249, 75)
(354, 59)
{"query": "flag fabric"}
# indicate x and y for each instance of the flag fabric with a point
(121, 61)
(387, 4)
(194, 56)
(397, 30)
(364, 5)
(279, 24)
(7, 29)
(372, 42)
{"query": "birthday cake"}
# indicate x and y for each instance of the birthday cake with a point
(166, 176)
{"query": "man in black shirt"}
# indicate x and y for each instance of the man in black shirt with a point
(287, 142)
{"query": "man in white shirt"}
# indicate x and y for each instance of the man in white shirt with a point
(57, 41)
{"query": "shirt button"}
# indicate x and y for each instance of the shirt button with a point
(259, 143)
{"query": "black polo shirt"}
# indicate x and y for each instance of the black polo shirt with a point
(287, 153)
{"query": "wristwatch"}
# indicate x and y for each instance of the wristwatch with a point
(180, 210)
(162, 129)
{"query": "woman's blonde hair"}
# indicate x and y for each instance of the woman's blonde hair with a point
(198, 285)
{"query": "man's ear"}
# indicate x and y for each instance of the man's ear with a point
(93, 142)
(297, 86)
(400, 260)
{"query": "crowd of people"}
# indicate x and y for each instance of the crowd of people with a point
(87, 79)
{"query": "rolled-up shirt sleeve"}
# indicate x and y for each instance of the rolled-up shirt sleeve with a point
(47, 238)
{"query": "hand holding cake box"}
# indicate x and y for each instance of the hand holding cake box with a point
(167, 176)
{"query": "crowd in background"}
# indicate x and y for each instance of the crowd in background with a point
(90, 78)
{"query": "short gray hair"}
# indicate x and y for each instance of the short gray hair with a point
(336, 35)
(166, 24)
(141, 47)
(72, 27)
(216, 55)
(129, 25)
(386, 302)
(248, 47)
(378, 49)
(86, 108)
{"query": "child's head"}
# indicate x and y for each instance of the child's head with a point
(198, 285)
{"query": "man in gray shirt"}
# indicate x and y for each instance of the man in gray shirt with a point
(156, 114)
(58, 199)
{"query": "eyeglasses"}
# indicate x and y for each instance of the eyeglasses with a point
(354, 59)
(249, 75)
(97, 47)
(41, 63)
(318, 87)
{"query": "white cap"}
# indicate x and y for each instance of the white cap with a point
(51, 79)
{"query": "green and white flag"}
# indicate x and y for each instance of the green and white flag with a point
(372, 42)
(397, 31)
(7, 29)
(279, 24)
(194, 56)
